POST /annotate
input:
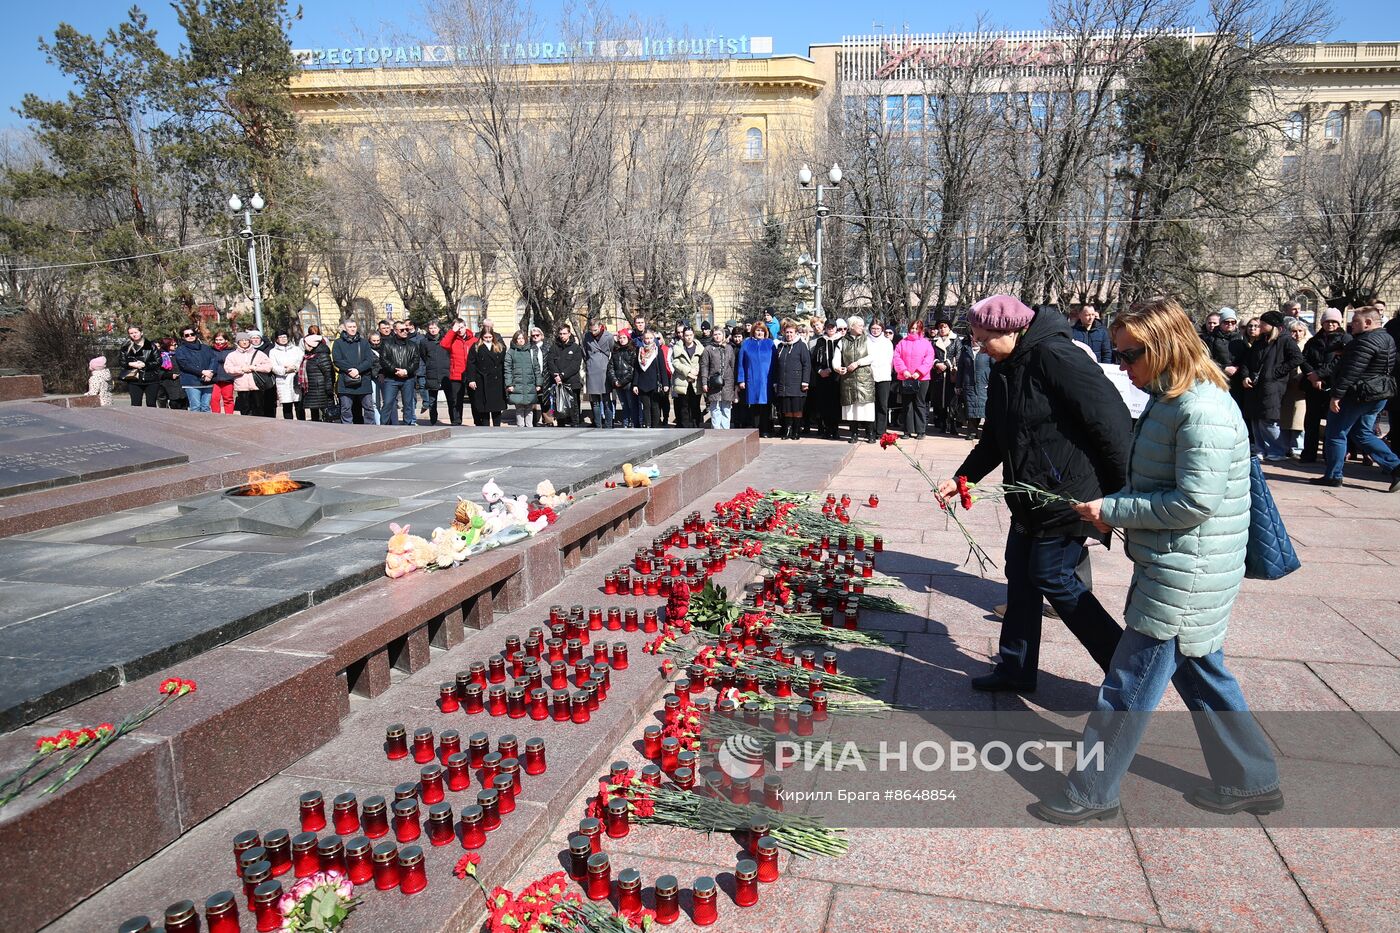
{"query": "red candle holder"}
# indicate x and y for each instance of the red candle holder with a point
(818, 701)
(510, 767)
(330, 852)
(220, 913)
(515, 702)
(670, 748)
(385, 859)
(495, 669)
(490, 803)
(879, 544)
(704, 896)
(423, 751)
(396, 742)
(345, 814)
(313, 812)
(746, 883)
(651, 775)
(505, 793)
(478, 745)
(406, 826)
(617, 824)
(578, 707)
(305, 861)
(359, 868)
(599, 884)
(539, 704)
(244, 841)
(780, 719)
(278, 844)
(267, 910)
(649, 624)
(447, 698)
(496, 701)
(560, 705)
(610, 584)
(619, 656)
(651, 741)
(449, 744)
(473, 834)
(471, 699)
(374, 817)
(639, 584)
(629, 620)
(579, 851)
(440, 831)
(458, 772)
(668, 909)
(430, 779)
(593, 830)
(413, 875)
(684, 778)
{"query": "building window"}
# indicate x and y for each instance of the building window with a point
(914, 114)
(1289, 168)
(894, 112)
(753, 144)
(1293, 127)
(1333, 126)
(367, 151)
(470, 310)
(308, 316)
(1374, 124)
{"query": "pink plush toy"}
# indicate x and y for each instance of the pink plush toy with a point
(407, 553)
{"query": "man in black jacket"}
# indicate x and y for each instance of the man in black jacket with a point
(400, 359)
(563, 366)
(1362, 384)
(1320, 357)
(1055, 423)
(1216, 340)
(355, 365)
(1269, 363)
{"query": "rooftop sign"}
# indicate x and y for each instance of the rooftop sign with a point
(647, 47)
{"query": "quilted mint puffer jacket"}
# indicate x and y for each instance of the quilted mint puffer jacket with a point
(1185, 511)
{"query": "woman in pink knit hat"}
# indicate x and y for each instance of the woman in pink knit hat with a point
(1054, 422)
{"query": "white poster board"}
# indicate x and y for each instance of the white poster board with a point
(1132, 396)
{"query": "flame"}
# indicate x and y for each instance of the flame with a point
(269, 484)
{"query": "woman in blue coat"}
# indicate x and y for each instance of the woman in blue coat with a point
(755, 361)
(974, 370)
(1185, 509)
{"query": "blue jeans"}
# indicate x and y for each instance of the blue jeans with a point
(424, 402)
(396, 392)
(719, 414)
(1268, 440)
(1045, 567)
(365, 403)
(1356, 420)
(603, 409)
(1237, 754)
(199, 397)
(629, 408)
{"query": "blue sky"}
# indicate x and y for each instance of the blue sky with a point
(793, 26)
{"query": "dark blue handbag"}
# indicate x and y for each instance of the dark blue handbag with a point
(1269, 554)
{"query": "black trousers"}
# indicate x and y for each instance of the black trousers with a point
(652, 414)
(941, 398)
(1316, 402)
(483, 419)
(882, 406)
(147, 391)
(916, 412)
(292, 410)
(688, 410)
(824, 401)
(456, 394)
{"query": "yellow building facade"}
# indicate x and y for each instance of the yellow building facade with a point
(777, 105)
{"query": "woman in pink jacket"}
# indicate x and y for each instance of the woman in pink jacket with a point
(241, 364)
(913, 362)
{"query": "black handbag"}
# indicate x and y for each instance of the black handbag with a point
(263, 380)
(715, 384)
(909, 386)
(1374, 388)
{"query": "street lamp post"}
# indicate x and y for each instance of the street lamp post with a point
(804, 180)
(254, 206)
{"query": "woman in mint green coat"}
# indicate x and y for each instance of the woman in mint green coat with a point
(1185, 513)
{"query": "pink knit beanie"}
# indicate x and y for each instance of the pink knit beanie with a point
(1000, 313)
(97, 362)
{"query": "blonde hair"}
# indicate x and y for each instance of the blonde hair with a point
(1174, 353)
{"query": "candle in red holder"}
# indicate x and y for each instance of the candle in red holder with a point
(653, 585)
(471, 699)
(220, 913)
(242, 843)
(406, 827)
(739, 791)
(430, 779)
(345, 814)
(254, 875)
(267, 912)
(573, 650)
(305, 862)
(582, 671)
(639, 583)
(374, 817)
(385, 857)
(616, 819)
(619, 656)
(330, 851)
(670, 748)
(651, 741)
(556, 614)
(554, 649)
(510, 767)
(579, 851)
(358, 866)
(578, 706)
(534, 756)
(252, 857)
(651, 775)
(423, 751)
(478, 744)
(534, 643)
(818, 704)
(182, 918)
(668, 909)
(408, 790)
(629, 890)
(449, 744)
(313, 812)
(505, 793)
(773, 792)
(560, 705)
(490, 767)
(600, 652)
(496, 701)
(767, 858)
(610, 584)
(447, 697)
(781, 723)
(278, 844)
(593, 829)
(537, 703)
(458, 772)
(558, 675)
(782, 684)
(413, 877)
(704, 895)
(490, 803)
(599, 884)
(804, 719)
(440, 831)
(746, 883)
(396, 741)
(495, 669)
(614, 619)
(649, 621)
(473, 833)
(629, 620)
(684, 778)
(515, 702)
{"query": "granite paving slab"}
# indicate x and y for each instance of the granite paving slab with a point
(63, 457)
(21, 601)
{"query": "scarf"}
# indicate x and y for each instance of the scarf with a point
(646, 355)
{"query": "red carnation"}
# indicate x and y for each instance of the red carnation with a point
(466, 865)
(964, 492)
(888, 439)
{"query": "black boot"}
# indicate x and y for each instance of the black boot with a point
(855, 434)
(869, 433)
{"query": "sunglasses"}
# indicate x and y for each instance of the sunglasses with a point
(187, 334)
(1130, 355)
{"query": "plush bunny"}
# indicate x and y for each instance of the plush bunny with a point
(406, 553)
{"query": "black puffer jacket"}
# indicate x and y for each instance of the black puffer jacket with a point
(1321, 354)
(566, 361)
(1054, 422)
(1366, 368)
(437, 364)
(320, 377)
(1218, 346)
(1269, 363)
(622, 367)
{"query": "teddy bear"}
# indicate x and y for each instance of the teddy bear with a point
(449, 547)
(406, 553)
(550, 499)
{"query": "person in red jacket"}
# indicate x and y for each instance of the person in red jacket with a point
(458, 343)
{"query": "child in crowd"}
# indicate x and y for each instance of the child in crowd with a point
(100, 380)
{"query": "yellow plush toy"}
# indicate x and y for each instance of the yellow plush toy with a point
(406, 552)
(632, 478)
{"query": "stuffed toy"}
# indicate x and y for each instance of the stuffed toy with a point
(407, 553)
(492, 494)
(469, 522)
(634, 478)
(449, 547)
(550, 499)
